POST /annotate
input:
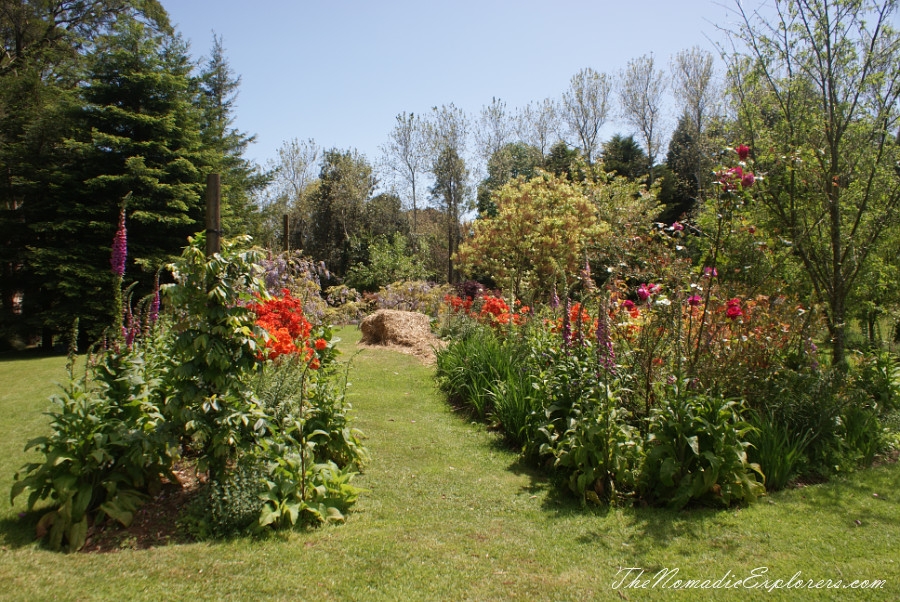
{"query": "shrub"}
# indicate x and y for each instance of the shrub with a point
(301, 276)
(345, 306)
(390, 260)
(109, 445)
(697, 451)
(228, 505)
(412, 295)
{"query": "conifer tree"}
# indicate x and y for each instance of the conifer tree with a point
(137, 132)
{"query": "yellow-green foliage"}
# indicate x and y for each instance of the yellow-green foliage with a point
(540, 233)
(547, 226)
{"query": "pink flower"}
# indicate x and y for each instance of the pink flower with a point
(119, 247)
(645, 291)
(748, 179)
(678, 226)
(694, 300)
(733, 310)
(154, 305)
(743, 151)
(709, 272)
(628, 304)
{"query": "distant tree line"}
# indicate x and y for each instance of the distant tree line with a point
(99, 101)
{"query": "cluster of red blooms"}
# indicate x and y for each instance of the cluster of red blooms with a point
(733, 308)
(732, 179)
(282, 317)
(458, 304)
(579, 319)
(494, 310)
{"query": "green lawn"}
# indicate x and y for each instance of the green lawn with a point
(449, 514)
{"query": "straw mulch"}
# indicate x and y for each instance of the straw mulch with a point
(404, 331)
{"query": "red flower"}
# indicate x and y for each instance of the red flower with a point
(283, 319)
(733, 310)
(321, 344)
(743, 152)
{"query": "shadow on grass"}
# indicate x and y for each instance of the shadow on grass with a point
(29, 354)
(20, 531)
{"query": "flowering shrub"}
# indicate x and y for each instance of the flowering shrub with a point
(413, 295)
(488, 309)
(181, 382)
(287, 329)
(301, 276)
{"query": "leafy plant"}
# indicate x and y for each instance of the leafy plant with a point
(595, 448)
(107, 450)
(777, 448)
(215, 349)
(303, 493)
(697, 451)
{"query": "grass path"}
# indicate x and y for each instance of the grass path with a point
(449, 514)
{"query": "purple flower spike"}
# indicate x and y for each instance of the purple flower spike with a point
(554, 299)
(566, 326)
(119, 247)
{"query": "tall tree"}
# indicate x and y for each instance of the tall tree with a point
(694, 85)
(136, 135)
(451, 193)
(48, 31)
(242, 179)
(510, 161)
(493, 129)
(690, 168)
(294, 176)
(346, 182)
(406, 157)
(44, 45)
(819, 94)
(537, 124)
(585, 108)
(448, 134)
(624, 156)
(641, 93)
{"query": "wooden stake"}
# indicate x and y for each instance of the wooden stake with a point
(213, 214)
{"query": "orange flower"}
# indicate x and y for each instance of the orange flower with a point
(321, 344)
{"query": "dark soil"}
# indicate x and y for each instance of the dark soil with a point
(155, 522)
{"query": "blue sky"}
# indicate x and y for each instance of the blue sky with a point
(339, 71)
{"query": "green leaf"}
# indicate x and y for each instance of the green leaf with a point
(694, 444)
(268, 515)
(77, 534)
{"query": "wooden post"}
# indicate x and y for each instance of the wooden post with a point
(213, 214)
(286, 229)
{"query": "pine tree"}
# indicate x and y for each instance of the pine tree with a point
(138, 135)
(241, 179)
